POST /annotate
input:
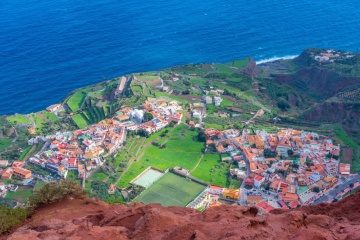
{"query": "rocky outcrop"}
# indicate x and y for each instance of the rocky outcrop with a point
(250, 69)
(320, 82)
(347, 114)
(89, 219)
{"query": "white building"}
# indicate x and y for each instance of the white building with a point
(137, 114)
(196, 113)
(258, 180)
(315, 176)
(208, 100)
(217, 101)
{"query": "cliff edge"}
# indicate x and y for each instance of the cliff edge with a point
(91, 219)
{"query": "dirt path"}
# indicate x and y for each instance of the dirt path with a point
(197, 163)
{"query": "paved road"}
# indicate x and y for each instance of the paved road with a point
(243, 191)
(332, 193)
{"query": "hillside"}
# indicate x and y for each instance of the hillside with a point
(90, 219)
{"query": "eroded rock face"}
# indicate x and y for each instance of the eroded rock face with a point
(89, 219)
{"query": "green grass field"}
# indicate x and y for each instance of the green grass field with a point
(171, 190)
(17, 118)
(23, 154)
(226, 103)
(50, 116)
(5, 143)
(79, 120)
(137, 89)
(76, 100)
(211, 170)
(239, 63)
(22, 194)
(99, 176)
(183, 152)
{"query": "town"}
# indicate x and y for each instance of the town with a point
(285, 169)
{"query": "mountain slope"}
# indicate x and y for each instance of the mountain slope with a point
(89, 219)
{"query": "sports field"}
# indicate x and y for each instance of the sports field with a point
(171, 190)
(147, 178)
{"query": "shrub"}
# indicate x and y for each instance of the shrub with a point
(11, 217)
(54, 192)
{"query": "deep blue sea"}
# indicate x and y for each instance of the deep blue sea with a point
(49, 48)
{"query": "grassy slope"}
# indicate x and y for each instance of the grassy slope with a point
(210, 171)
(79, 120)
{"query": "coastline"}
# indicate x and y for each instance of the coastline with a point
(275, 58)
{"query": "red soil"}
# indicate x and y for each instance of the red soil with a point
(89, 219)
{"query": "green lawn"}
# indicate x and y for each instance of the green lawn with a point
(79, 120)
(155, 135)
(171, 190)
(185, 153)
(76, 100)
(239, 63)
(168, 96)
(136, 89)
(226, 103)
(22, 194)
(23, 154)
(212, 171)
(18, 118)
(50, 116)
(5, 143)
(39, 184)
(213, 125)
(99, 176)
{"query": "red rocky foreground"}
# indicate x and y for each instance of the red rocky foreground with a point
(90, 219)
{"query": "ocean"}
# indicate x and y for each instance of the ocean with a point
(49, 48)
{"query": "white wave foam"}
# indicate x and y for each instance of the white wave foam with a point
(275, 58)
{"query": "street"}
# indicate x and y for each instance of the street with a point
(338, 189)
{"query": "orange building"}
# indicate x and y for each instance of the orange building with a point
(230, 193)
(22, 172)
(7, 173)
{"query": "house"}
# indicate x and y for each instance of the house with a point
(7, 173)
(208, 100)
(72, 163)
(217, 101)
(81, 171)
(215, 190)
(254, 199)
(18, 164)
(315, 176)
(165, 88)
(112, 189)
(283, 146)
(344, 169)
(230, 193)
(258, 180)
(196, 113)
(22, 172)
(264, 207)
(53, 108)
(138, 115)
(4, 163)
(62, 172)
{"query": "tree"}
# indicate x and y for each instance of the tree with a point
(201, 136)
(351, 185)
(316, 189)
(290, 152)
(269, 154)
(186, 92)
(148, 116)
(143, 133)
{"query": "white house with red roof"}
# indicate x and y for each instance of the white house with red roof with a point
(258, 180)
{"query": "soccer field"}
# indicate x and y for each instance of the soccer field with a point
(171, 190)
